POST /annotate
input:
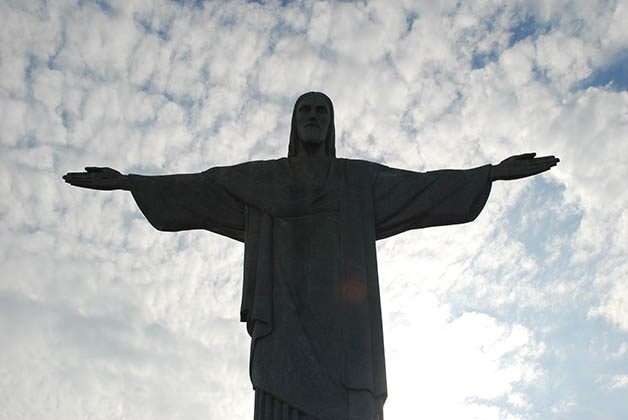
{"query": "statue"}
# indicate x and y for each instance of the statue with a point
(309, 223)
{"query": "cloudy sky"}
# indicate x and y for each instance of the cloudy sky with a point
(522, 314)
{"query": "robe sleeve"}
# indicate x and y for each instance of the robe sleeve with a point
(405, 200)
(189, 201)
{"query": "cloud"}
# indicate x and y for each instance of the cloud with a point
(614, 382)
(458, 366)
(105, 316)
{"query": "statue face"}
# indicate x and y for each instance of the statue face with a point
(312, 119)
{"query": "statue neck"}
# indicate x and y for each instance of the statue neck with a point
(312, 150)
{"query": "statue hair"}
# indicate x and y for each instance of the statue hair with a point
(330, 138)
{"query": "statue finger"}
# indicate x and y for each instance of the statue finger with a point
(75, 174)
(547, 160)
(541, 167)
(80, 183)
(541, 164)
(80, 179)
(527, 155)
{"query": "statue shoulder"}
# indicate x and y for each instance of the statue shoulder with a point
(362, 165)
(250, 167)
(364, 170)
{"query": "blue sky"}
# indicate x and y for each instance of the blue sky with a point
(521, 314)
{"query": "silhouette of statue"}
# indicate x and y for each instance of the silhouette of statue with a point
(309, 223)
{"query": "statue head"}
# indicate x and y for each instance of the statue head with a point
(313, 124)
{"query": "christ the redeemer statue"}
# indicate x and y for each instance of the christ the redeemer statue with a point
(309, 223)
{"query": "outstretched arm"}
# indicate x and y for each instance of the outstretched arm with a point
(98, 178)
(521, 166)
(172, 202)
(407, 200)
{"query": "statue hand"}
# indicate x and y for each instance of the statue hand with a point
(98, 178)
(521, 166)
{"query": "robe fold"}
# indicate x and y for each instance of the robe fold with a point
(311, 294)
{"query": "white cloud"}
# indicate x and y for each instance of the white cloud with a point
(614, 306)
(621, 352)
(613, 382)
(105, 316)
(446, 363)
(563, 407)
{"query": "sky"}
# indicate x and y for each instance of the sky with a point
(521, 314)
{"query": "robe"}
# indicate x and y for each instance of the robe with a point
(310, 295)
